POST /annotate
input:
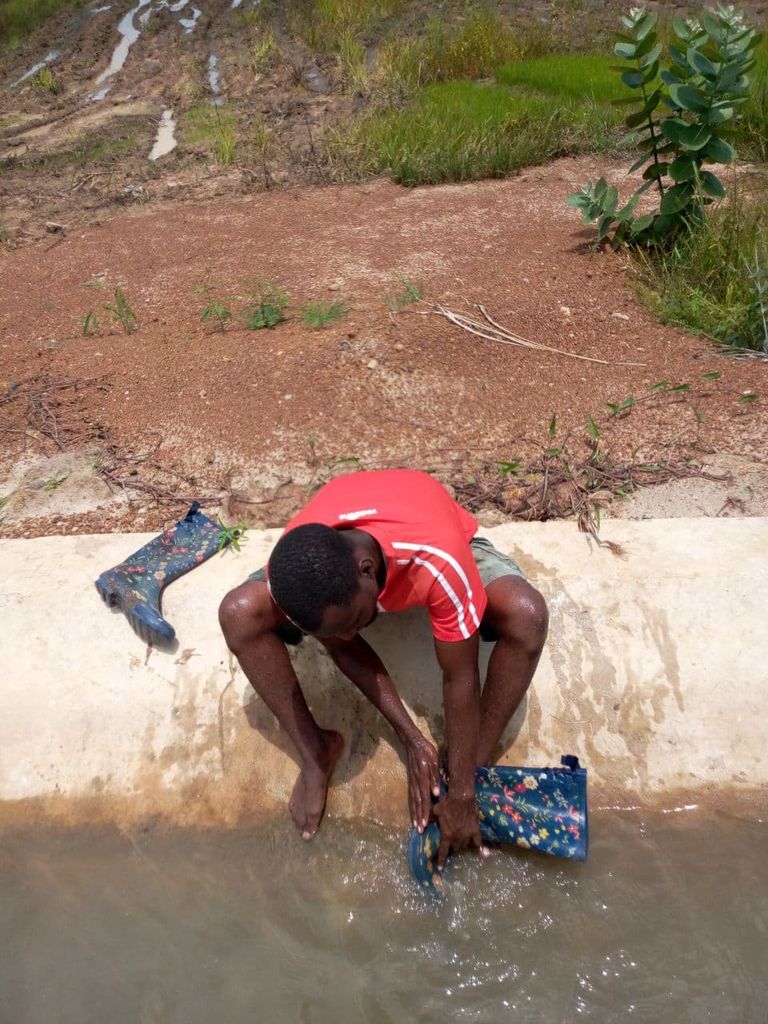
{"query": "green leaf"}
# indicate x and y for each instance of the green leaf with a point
(712, 375)
(676, 198)
(712, 186)
(702, 64)
(683, 169)
(681, 30)
(636, 119)
(689, 136)
(661, 385)
(593, 429)
(505, 468)
(655, 171)
(689, 98)
(642, 223)
(651, 57)
(633, 79)
(646, 24)
(604, 225)
(747, 398)
(552, 429)
(625, 50)
(712, 28)
(719, 113)
(679, 388)
(720, 151)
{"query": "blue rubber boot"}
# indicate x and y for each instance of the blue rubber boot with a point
(541, 809)
(136, 585)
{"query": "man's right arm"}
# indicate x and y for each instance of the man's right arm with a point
(363, 667)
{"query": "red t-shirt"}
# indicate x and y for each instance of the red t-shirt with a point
(424, 536)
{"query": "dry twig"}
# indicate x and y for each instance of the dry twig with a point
(490, 330)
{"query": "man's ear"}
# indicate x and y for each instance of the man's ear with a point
(367, 567)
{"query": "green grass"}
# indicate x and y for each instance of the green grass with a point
(20, 18)
(460, 131)
(473, 49)
(86, 152)
(571, 76)
(751, 139)
(211, 127)
(705, 282)
(321, 314)
(46, 81)
(323, 24)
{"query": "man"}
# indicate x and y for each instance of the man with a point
(385, 541)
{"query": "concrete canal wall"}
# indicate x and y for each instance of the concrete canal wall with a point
(655, 674)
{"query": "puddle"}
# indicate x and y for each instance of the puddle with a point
(130, 34)
(47, 59)
(188, 24)
(316, 81)
(214, 80)
(166, 139)
(665, 923)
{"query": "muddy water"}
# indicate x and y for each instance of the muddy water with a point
(667, 923)
(165, 141)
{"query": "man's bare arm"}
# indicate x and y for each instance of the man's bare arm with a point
(457, 813)
(363, 667)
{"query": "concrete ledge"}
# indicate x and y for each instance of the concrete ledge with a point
(655, 674)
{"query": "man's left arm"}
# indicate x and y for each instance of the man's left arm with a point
(457, 812)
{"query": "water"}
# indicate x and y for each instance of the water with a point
(188, 24)
(129, 34)
(667, 923)
(214, 81)
(166, 139)
(47, 59)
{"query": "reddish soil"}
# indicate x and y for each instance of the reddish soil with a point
(282, 405)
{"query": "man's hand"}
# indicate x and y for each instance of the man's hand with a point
(423, 779)
(459, 826)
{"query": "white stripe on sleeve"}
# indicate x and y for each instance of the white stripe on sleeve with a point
(449, 591)
(452, 562)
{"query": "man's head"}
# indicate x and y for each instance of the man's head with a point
(325, 580)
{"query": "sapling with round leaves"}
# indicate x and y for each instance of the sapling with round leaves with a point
(702, 88)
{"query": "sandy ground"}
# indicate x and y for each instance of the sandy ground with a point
(269, 413)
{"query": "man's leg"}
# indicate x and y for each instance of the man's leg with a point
(517, 615)
(247, 620)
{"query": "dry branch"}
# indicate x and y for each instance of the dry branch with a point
(490, 330)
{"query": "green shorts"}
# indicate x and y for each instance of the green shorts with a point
(491, 565)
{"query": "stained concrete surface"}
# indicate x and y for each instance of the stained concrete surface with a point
(654, 674)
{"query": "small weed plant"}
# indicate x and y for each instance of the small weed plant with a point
(121, 312)
(91, 324)
(46, 81)
(265, 306)
(54, 482)
(216, 315)
(322, 314)
(703, 87)
(411, 291)
(232, 536)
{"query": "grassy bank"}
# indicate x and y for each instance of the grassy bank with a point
(711, 280)
(19, 18)
(464, 130)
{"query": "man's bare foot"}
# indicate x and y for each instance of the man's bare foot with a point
(307, 801)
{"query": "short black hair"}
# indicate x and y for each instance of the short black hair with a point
(311, 568)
